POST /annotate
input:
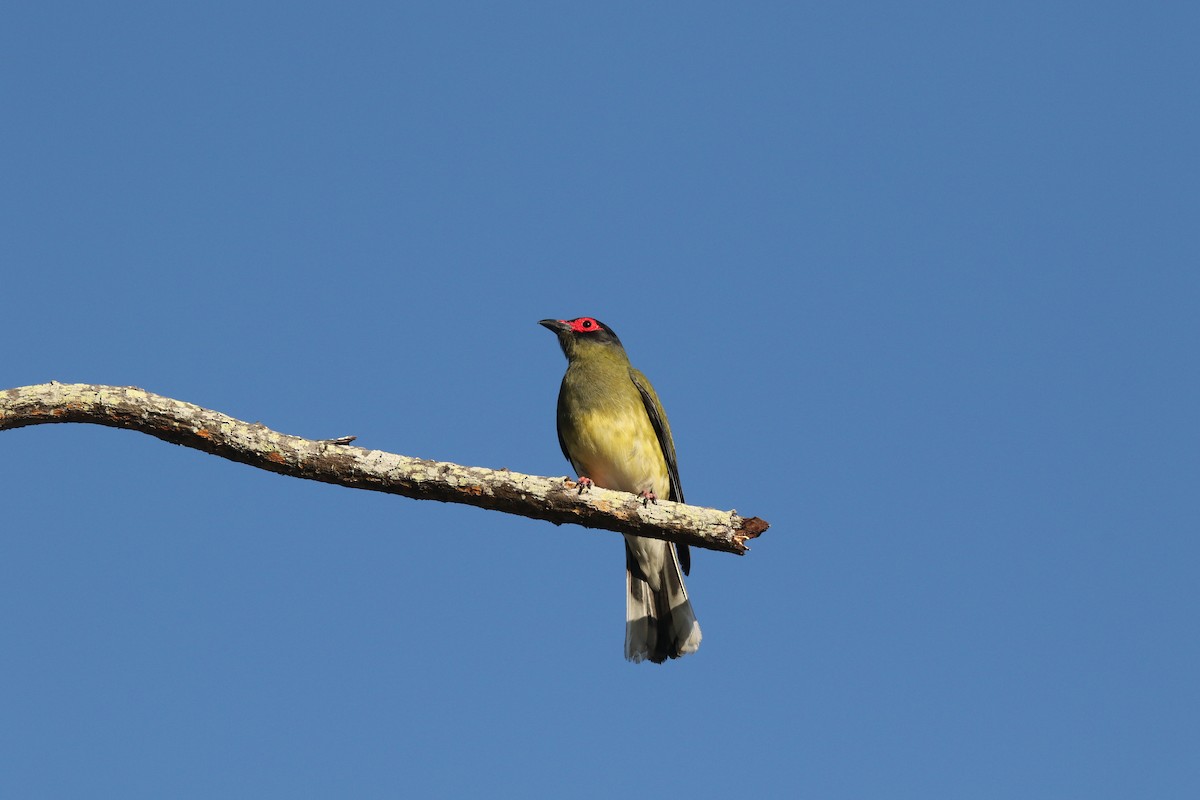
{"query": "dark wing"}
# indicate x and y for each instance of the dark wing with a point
(558, 424)
(658, 419)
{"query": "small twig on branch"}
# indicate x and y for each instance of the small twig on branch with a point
(334, 461)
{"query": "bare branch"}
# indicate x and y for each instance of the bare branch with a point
(556, 500)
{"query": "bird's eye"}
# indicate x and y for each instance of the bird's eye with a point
(587, 323)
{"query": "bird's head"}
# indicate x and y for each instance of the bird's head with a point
(582, 335)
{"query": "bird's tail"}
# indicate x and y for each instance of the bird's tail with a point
(658, 624)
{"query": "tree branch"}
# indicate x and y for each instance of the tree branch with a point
(334, 461)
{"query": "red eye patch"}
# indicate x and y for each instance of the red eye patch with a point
(584, 325)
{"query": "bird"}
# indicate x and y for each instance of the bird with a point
(613, 430)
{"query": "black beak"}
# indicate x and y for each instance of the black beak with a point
(556, 325)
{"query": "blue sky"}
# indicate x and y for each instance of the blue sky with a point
(916, 283)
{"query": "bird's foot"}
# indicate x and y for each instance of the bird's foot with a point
(648, 497)
(584, 483)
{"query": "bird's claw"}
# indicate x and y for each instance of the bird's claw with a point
(648, 497)
(584, 483)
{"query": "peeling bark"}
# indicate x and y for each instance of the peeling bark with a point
(335, 461)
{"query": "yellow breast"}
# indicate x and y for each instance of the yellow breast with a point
(617, 448)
